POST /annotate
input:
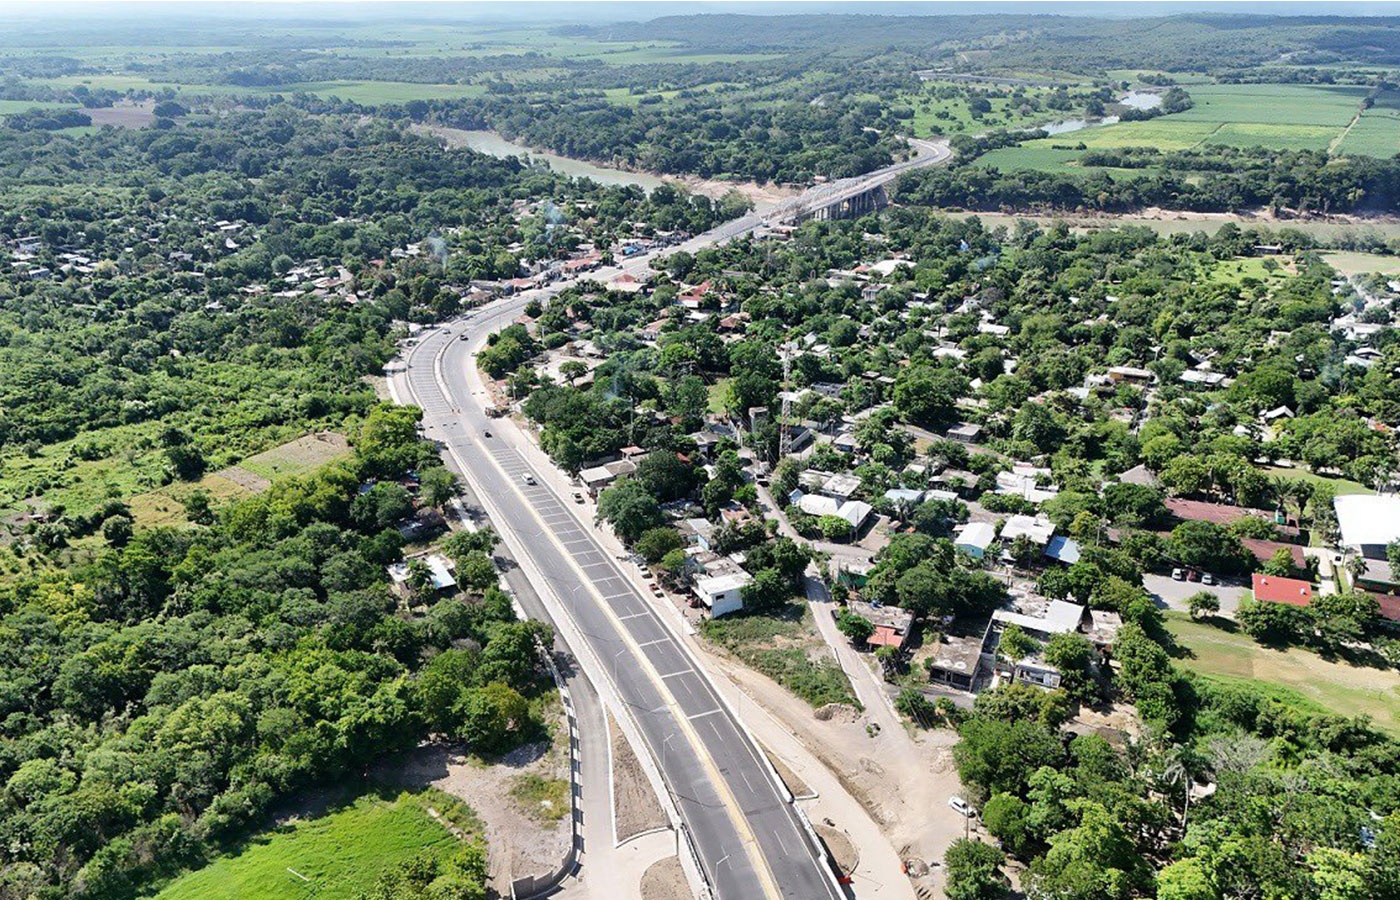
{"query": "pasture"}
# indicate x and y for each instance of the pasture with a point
(336, 855)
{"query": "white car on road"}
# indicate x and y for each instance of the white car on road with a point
(962, 807)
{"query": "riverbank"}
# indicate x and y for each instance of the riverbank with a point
(762, 196)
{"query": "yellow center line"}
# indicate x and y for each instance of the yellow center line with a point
(731, 803)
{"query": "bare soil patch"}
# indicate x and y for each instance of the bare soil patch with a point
(665, 880)
(843, 849)
(794, 782)
(520, 843)
(903, 782)
(635, 807)
(124, 114)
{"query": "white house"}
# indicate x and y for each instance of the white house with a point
(974, 538)
(720, 594)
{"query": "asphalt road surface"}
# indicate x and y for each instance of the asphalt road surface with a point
(747, 835)
(750, 840)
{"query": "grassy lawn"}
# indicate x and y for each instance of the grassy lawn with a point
(1334, 686)
(1353, 262)
(15, 106)
(719, 392)
(1340, 485)
(782, 645)
(333, 856)
(1235, 271)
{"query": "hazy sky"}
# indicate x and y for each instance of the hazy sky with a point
(617, 11)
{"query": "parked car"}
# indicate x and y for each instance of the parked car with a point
(962, 807)
(1207, 578)
(578, 497)
(527, 478)
(1178, 575)
(1193, 575)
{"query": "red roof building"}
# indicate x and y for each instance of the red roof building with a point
(1282, 590)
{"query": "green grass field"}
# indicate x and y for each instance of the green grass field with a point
(1333, 686)
(1354, 262)
(1275, 116)
(333, 856)
(1235, 271)
(1339, 485)
(369, 93)
(15, 106)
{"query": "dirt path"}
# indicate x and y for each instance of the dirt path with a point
(903, 781)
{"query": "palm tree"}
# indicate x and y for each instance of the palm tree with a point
(1180, 766)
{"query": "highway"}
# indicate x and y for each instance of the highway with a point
(749, 839)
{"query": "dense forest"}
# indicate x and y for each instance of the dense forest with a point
(174, 299)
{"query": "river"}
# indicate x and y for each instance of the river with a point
(762, 197)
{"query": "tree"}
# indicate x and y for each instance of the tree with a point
(572, 370)
(1280, 565)
(834, 528)
(1005, 818)
(476, 571)
(629, 508)
(1074, 656)
(439, 487)
(928, 397)
(1185, 879)
(914, 706)
(117, 530)
(974, 871)
(198, 509)
(1207, 545)
(1016, 644)
(1202, 604)
(491, 718)
(388, 443)
(855, 627)
(1095, 860)
(665, 476)
(996, 756)
(656, 543)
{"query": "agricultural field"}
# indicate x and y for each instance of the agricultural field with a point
(367, 92)
(1276, 116)
(1297, 674)
(1355, 262)
(335, 856)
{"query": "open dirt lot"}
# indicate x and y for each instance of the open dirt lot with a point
(124, 114)
(904, 782)
(520, 843)
(665, 880)
(635, 807)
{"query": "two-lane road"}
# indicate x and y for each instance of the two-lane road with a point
(750, 840)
